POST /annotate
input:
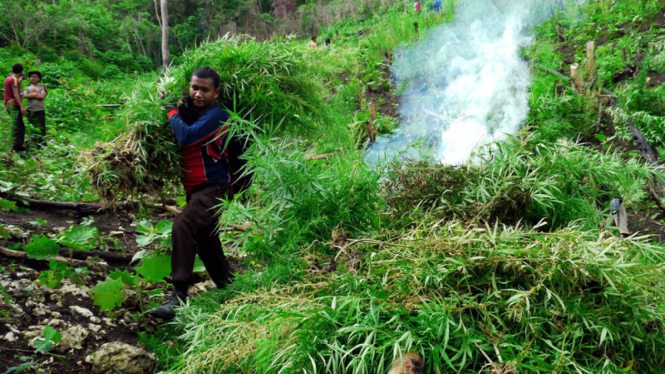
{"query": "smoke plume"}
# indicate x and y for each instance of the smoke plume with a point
(466, 84)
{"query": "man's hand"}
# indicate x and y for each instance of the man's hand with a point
(171, 107)
(170, 103)
(171, 112)
(23, 111)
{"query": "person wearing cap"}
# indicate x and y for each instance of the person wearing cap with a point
(36, 93)
(15, 108)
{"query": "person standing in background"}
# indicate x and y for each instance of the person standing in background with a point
(15, 108)
(312, 43)
(36, 93)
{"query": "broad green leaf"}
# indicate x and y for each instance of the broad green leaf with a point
(125, 276)
(52, 334)
(144, 227)
(164, 227)
(51, 337)
(21, 368)
(155, 268)
(108, 294)
(6, 186)
(41, 248)
(7, 205)
(79, 237)
(144, 240)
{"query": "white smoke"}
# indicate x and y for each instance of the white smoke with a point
(466, 84)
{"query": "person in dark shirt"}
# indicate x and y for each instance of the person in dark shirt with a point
(199, 125)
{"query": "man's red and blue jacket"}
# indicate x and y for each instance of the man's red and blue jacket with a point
(202, 145)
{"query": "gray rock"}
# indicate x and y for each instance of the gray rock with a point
(115, 357)
(73, 338)
(82, 311)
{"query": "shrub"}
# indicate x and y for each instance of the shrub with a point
(47, 54)
(111, 71)
(52, 74)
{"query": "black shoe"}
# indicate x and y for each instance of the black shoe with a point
(167, 310)
(221, 283)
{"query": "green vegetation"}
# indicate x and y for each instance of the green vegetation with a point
(504, 265)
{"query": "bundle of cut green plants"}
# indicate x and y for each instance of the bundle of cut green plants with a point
(479, 299)
(269, 87)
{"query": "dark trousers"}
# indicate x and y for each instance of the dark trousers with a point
(38, 119)
(195, 230)
(18, 128)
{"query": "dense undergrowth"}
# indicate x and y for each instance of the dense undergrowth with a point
(499, 266)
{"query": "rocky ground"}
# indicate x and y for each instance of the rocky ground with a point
(91, 341)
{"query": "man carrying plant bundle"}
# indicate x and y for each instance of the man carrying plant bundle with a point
(199, 126)
(14, 106)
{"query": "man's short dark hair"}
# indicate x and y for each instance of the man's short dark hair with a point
(207, 72)
(35, 73)
(17, 68)
(314, 37)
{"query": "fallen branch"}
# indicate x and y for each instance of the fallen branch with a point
(79, 206)
(23, 255)
(167, 208)
(80, 254)
(56, 205)
(324, 156)
(656, 198)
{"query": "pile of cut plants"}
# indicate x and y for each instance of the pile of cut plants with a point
(509, 264)
(503, 266)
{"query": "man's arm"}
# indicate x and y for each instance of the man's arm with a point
(210, 121)
(42, 95)
(17, 98)
(28, 95)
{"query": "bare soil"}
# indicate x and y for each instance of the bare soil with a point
(655, 79)
(33, 306)
(30, 316)
(384, 97)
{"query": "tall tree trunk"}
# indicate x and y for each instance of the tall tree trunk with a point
(165, 35)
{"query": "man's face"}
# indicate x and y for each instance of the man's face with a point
(202, 91)
(34, 79)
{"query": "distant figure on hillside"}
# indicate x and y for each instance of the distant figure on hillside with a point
(200, 126)
(327, 41)
(336, 33)
(312, 43)
(36, 93)
(416, 6)
(436, 6)
(15, 108)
